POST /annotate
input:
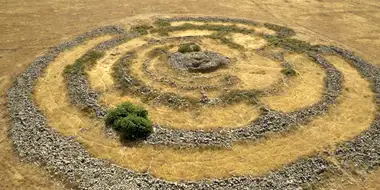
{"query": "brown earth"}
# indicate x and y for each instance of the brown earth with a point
(29, 27)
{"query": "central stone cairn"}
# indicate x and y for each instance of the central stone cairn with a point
(190, 57)
(84, 171)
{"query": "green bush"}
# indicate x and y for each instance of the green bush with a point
(189, 47)
(133, 127)
(130, 121)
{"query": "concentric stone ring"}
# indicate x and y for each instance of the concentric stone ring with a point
(74, 157)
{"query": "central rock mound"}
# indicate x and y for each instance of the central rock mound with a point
(201, 61)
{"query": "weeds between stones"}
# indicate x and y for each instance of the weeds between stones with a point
(161, 23)
(189, 47)
(288, 70)
(164, 31)
(148, 94)
(238, 96)
(158, 51)
(281, 31)
(292, 45)
(142, 29)
(222, 37)
(88, 60)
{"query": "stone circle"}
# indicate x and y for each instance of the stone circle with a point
(36, 141)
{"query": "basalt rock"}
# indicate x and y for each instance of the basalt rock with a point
(204, 61)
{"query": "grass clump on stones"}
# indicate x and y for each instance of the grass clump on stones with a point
(222, 37)
(162, 23)
(164, 30)
(292, 45)
(189, 47)
(130, 121)
(135, 87)
(142, 29)
(87, 60)
(280, 30)
(289, 71)
(158, 51)
(240, 95)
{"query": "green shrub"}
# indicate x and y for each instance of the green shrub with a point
(130, 121)
(189, 47)
(133, 127)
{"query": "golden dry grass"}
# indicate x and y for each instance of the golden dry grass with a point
(190, 33)
(248, 41)
(254, 71)
(15, 174)
(353, 181)
(54, 85)
(371, 182)
(206, 117)
(304, 90)
(24, 175)
(342, 122)
(23, 38)
(257, 29)
(263, 73)
(237, 115)
(100, 77)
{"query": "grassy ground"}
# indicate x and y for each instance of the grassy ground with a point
(28, 28)
(304, 90)
(341, 123)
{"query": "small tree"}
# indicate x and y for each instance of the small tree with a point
(130, 121)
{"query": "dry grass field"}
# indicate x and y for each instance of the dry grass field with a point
(28, 28)
(342, 122)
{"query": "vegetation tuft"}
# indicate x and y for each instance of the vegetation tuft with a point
(189, 47)
(162, 23)
(130, 121)
(240, 95)
(147, 94)
(187, 26)
(142, 29)
(290, 44)
(222, 37)
(289, 71)
(87, 60)
(158, 51)
(280, 30)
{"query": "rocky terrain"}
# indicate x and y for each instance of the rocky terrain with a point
(36, 142)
